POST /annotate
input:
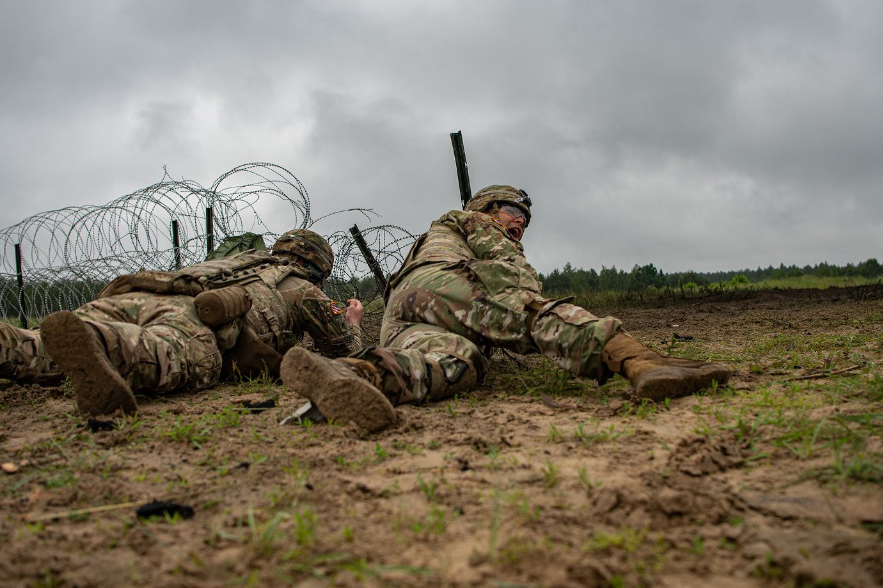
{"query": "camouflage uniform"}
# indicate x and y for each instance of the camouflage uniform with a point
(157, 341)
(464, 285)
(23, 358)
(281, 314)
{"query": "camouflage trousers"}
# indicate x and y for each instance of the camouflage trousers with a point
(437, 320)
(22, 357)
(156, 342)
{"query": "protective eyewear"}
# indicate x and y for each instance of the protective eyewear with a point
(513, 211)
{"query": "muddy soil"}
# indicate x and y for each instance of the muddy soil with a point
(533, 479)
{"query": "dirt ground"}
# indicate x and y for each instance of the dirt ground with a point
(534, 479)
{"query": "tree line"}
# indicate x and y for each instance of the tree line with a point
(45, 297)
(570, 279)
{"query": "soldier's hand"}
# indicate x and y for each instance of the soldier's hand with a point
(354, 311)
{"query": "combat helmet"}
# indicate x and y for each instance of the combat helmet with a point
(495, 195)
(309, 246)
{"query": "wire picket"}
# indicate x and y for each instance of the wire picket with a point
(68, 255)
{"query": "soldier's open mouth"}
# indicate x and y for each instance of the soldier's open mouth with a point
(515, 232)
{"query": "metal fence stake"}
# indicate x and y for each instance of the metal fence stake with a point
(176, 244)
(209, 230)
(22, 310)
(369, 257)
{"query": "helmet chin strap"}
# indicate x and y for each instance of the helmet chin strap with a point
(314, 274)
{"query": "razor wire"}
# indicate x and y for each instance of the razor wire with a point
(68, 255)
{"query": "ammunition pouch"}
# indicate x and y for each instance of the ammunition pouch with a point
(220, 306)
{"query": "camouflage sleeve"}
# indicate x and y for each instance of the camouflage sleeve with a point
(497, 255)
(356, 332)
(322, 318)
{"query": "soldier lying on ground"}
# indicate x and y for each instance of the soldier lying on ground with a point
(157, 332)
(466, 284)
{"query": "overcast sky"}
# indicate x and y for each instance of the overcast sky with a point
(688, 134)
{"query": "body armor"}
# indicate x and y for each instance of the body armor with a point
(258, 272)
(240, 270)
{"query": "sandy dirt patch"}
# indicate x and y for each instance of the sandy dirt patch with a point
(534, 479)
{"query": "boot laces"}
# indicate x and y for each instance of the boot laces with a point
(364, 369)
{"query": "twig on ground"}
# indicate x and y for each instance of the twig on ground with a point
(552, 403)
(109, 507)
(79, 512)
(825, 374)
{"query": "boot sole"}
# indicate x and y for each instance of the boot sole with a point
(98, 387)
(339, 398)
(675, 382)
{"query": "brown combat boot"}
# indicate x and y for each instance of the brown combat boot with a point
(656, 376)
(75, 347)
(344, 390)
(251, 357)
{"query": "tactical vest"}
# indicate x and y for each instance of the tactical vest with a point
(440, 244)
(258, 272)
(218, 273)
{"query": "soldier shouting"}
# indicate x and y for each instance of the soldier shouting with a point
(466, 284)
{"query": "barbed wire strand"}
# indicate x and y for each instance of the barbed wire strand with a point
(70, 254)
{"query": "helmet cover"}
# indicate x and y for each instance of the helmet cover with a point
(307, 245)
(485, 198)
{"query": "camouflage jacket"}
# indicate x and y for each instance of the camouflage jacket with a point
(284, 304)
(477, 241)
(280, 316)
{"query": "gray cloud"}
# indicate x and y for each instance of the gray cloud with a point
(686, 134)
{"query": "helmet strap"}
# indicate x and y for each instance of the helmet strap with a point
(314, 274)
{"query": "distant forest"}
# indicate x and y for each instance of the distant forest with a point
(41, 298)
(570, 279)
